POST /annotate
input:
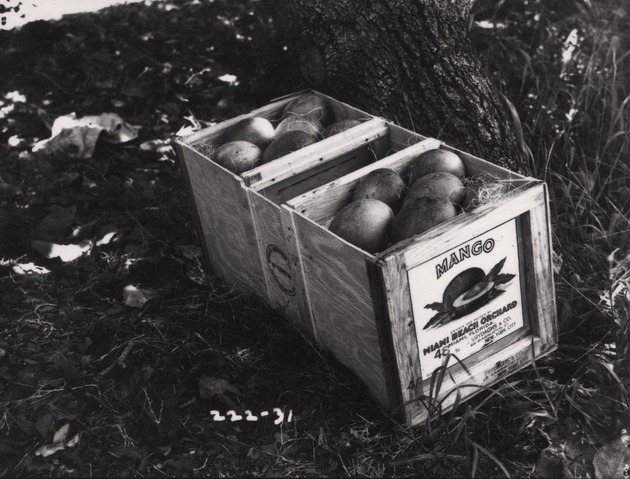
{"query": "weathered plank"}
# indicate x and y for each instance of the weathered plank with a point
(228, 233)
(340, 299)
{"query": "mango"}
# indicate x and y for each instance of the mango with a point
(292, 123)
(436, 160)
(383, 184)
(238, 156)
(420, 215)
(256, 130)
(440, 184)
(287, 143)
(460, 284)
(364, 223)
(339, 126)
(308, 106)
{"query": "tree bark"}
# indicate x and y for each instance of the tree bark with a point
(410, 61)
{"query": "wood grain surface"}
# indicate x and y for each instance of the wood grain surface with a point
(281, 261)
(227, 230)
(340, 299)
(310, 156)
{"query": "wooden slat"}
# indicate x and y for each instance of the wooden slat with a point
(310, 156)
(280, 259)
(179, 148)
(399, 317)
(340, 298)
(325, 171)
(320, 204)
(401, 138)
(224, 215)
(537, 245)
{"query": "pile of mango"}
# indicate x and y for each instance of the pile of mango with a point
(385, 209)
(255, 141)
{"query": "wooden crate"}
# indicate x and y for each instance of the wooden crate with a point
(265, 232)
(371, 311)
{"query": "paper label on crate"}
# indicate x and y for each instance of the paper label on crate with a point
(467, 298)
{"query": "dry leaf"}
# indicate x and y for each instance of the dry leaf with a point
(55, 225)
(209, 387)
(137, 297)
(44, 423)
(29, 268)
(77, 137)
(65, 252)
(551, 462)
(612, 461)
(61, 434)
(106, 234)
(59, 442)
(49, 450)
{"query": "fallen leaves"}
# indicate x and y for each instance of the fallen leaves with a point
(59, 442)
(210, 387)
(65, 252)
(55, 225)
(135, 297)
(77, 137)
(612, 461)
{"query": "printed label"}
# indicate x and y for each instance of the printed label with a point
(281, 270)
(507, 366)
(467, 298)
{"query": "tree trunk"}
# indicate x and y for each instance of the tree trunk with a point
(410, 61)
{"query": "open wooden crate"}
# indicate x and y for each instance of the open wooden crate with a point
(376, 313)
(264, 232)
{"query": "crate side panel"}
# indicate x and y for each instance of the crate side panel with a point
(180, 148)
(399, 316)
(227, 229)
(537, 246)
(402, 138)
(281, 262)
(343, 111)
(340, 297)
(339, 109)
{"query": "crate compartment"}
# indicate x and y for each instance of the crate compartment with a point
(223, 214)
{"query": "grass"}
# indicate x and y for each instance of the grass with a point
(566, 69)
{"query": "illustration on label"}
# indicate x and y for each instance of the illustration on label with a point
(281, 270)
(467, 298)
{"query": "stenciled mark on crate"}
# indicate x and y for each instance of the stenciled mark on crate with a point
(280, 268)
(248, 416)
(507, 366)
